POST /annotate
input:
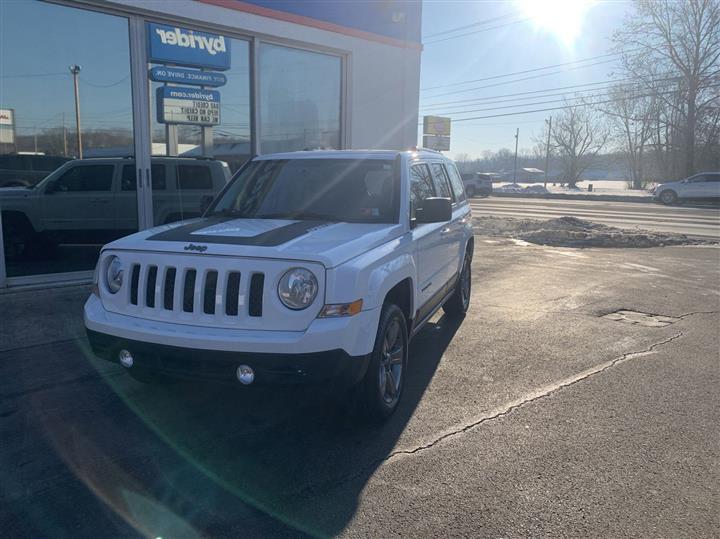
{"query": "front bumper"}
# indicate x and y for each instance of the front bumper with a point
(330, 349)
(333, 365)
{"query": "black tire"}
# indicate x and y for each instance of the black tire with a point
(668, 197)
(457, 305)
(381, 388)
(470, 191)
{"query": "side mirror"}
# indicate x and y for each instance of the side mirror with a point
(205, 202)
(51, 188)
(434, 210)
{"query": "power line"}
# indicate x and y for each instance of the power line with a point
(570, 87)
(530, 77)
(478, 31)
(557, 108)
(582, 60)
(465, 27)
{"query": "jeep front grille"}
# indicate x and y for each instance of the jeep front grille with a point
(186, 290)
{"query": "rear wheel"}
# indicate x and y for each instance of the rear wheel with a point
(458, 304)
(382, 386)
(668, 197)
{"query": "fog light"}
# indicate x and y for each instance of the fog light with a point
(245, 374)
(125, 357)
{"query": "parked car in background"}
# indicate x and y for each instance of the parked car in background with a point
(704, 186)
(93, 201)
(478, 183)
(25, 170)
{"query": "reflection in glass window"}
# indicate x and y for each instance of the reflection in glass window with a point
(456, 183)
(421, 187)
(299, 99)
(194, 177)
(442, 186)
(73, 211)
(128, 180)
(230, 139)
(85, 178)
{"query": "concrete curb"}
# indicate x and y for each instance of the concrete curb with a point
(579, 196)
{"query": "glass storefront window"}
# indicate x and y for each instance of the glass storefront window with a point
(59, 192)
(299, 99)
(195, 171)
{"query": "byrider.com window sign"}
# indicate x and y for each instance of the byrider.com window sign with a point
(178, 105)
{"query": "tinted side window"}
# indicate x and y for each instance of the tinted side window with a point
(442, 184)
(128, 181)
(714, 178)
(456, 183)
(86, 178)
(421, 187)
(194, 177)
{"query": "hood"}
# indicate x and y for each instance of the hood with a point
(669, 184)
(331, 244)
(16, 192)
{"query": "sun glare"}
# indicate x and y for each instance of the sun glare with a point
(562, 18)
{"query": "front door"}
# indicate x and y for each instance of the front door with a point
(429, 242)
(78, 205)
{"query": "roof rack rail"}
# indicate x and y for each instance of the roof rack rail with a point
(421, 149)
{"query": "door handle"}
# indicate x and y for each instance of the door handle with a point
(445, 231)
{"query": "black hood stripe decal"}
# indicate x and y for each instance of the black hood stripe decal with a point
(271, 238)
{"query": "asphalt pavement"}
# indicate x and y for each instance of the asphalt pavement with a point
(692, 220)
(535, 415)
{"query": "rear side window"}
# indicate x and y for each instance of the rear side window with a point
(714, 178)
(421, 187)
(128, 181)
(86, 178)
(194, 177)
(442, 184)
(456, 183)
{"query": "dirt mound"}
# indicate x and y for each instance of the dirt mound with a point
(573, 232)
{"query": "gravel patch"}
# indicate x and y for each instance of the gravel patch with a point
(574, 232)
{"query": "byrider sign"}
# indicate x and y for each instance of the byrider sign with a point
(174, 45)
(178, 105)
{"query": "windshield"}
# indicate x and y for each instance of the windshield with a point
(352, 190)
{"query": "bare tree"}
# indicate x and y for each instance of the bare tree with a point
(673, 48)
(632, 119)
(577, 136)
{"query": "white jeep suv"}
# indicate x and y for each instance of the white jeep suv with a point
(308, 266)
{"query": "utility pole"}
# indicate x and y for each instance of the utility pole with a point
(517, 134)
(64, 137)
(547, 149)
(75, 70)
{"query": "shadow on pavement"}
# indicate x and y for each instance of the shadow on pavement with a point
(208, 460)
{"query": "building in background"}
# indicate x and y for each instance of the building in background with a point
(192, 79)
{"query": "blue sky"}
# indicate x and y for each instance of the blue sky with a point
(516, 46)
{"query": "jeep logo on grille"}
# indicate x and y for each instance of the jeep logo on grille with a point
(198, 248)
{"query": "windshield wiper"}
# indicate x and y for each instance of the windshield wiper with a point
(300, 216)
(229, 212)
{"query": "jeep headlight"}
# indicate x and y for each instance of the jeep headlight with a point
(114, 274)
(297, 288)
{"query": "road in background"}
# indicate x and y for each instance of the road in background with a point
(690, 220)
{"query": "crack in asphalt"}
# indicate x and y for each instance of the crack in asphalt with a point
(506, 410)
(696, 312)
(537, 395)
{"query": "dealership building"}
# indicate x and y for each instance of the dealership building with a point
(133, 99)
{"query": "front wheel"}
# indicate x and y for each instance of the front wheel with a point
(668, 197)
(458, 304)
(382, 386)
